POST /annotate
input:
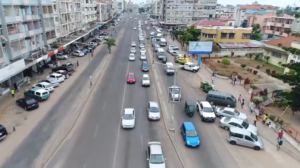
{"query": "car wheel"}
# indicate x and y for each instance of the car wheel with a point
(232, 142)
(256, 148)
(226, 128)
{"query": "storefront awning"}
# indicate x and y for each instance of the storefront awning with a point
(56, 51)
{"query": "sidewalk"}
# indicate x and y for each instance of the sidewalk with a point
(225, 85)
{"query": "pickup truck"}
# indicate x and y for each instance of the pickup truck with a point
(169, 68)
(37, 93)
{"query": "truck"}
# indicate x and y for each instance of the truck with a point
(169, 68)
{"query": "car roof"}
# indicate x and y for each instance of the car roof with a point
(219, 93)
(189, 126)
(229, 109)
(155, 148)
(128, 110)
(205, 103)
(239, 121)
(145, 75)
(240, 131)
(153, 104)
(189, 63)
(131, 73)
(44, 83)
(55, 74)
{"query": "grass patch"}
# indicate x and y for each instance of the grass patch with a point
(278, 68)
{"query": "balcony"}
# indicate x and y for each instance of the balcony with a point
(268, 31)
(287, 26)
(18, 48)
(15, 34)
(34, 32)
(28, 17)
(279, 24)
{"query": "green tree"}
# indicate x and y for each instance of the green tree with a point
(141, 10)
(186, 38)
(255, 35)
(250, 55)
(293, 79)
(194, 32)
(110, 43)
(267, 59)
(225, 61)
(148, 8)
(279, 13)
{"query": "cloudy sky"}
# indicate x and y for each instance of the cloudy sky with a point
(281, 3)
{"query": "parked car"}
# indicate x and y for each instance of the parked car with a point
(172, 47)
(3, 132)
(230, 112)
(143, 56)
(78, 53)
(227, 123)
(69, 69)
(96, 41)
(142, 45)
(143, 50)
(53, 81)
(37, 93)
(85, 51)
(189, 134)
(65, 73)
(47, 86)
(70, 66)
(27, 103)
(61, 56)
(155, 47)
(57, 76)
(101, 38)
(239, 136)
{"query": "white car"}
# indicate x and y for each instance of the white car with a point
(153, 111)
(146, 80)
(143, 56)
(57, 76)
(134, 28)
(227, 122)
(155, 155)
(47, 86)
(189, 66)
(106, 37)
(61, 56)
(143, 50)
(230, 112)
(99, 37)
(174, 48)
(131, 57)
(133, 44)
(78, 53)
(206, 111)
(132, 50)
(142, 45)
(130, 17)
(128, 118)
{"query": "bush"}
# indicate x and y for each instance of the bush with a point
(243, 65)
(272, 117)
(239, 56)
(292, 72)
(268, 71)
(225, 61)
(257, 67)
(225, 56)
(255, 72)
(280, 122)
(257, 100)
(273, 72)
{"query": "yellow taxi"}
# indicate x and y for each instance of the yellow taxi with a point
(180, 59)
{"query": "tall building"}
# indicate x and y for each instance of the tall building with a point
(27, 30)
(224, 11)
(178, 12)
(102, 12)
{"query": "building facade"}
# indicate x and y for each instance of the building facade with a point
(271, 25)
(102, 12)
(178, 12)
(157, 9)
(240, 10)
(27, 30)
(224, 11)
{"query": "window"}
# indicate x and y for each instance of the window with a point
(248, 138)
(246, 36)
(275, 54)
(233, 124)
(224, 35)
(236, 135)
(231, 35)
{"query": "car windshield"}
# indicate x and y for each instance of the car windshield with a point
(128, 117)
(245, 125)
(44, 93)
(145, 78)
(154, 109)
(175, 48)
(31, 101)
(208, 109)
(191, 133)
(254, 137)
(157, 159)
(130, 76)
(233, 98)
(236, 113)
(131, 55)
(175, 91)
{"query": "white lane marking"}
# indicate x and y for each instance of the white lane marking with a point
(142, 141)
(118, 135)
(96, 130)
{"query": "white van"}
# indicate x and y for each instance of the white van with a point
(239, 136)
(163, 42)
(170, 70)
(161, 53)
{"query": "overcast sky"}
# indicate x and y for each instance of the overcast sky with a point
(281, 3)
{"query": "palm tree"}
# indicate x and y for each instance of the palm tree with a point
(109, 43)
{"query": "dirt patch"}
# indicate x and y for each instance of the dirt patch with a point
(227, 70)
(255, 64)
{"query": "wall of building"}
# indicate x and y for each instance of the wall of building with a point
(275, 57)
(238, 37)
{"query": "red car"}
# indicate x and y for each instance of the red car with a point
(131, 78)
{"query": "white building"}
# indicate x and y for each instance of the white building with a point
(102, 12)
(224, 11)
(157, 9)
(114, 8)
(177, 12)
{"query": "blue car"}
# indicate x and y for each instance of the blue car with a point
(190, 135)
(85, 51)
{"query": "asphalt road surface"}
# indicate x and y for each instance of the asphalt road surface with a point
(99, 140)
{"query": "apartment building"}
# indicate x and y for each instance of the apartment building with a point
(102, 12)
(240, 10)
(224, 11)
(27, 29)
(271, 25)
(179, 12)
(157, 9)
(231, 39)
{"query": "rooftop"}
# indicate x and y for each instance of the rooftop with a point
(224, 19)
(285, 41)
(229, 27)
(238, 45)
(208, 23)
(256, 7)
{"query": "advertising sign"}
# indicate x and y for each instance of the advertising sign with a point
(12, 69)
(201, 47)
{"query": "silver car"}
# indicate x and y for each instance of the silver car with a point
(155, 155)
(227, 123)
(132, 50)
(239, 136)
(142, 45)
(230, 112)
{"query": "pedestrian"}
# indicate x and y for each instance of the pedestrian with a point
(280, 134)
(240, 98)
(77, 63)
(234, 80)
(184, 56)
(280, 141)
(212, 79)
(243, 103)
(254, 122)
(12, 92)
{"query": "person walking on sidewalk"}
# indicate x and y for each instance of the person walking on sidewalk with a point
(280, 134)
(240, 98)
(212, 79)
(243, 103)
(280, 141)
(233, 81)
(12, 91)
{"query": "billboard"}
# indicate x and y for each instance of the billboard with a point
(201, 47)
